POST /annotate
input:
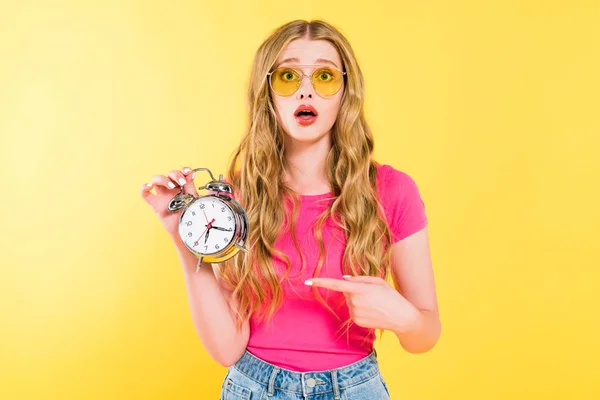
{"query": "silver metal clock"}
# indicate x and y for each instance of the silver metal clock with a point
(213, 227)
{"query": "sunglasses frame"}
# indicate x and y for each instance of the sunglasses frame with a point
(303, 75)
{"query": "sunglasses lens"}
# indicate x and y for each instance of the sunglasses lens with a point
(327, 81)
(285, 81)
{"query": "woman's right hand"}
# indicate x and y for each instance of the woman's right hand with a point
(166, 188)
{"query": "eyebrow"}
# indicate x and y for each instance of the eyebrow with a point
(318, 61)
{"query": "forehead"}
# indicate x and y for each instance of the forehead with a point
(306, 51)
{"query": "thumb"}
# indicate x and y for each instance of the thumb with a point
(363, 278)
(190, 186)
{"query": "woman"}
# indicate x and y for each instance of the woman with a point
(296, 317)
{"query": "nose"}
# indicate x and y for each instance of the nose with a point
(306, 88)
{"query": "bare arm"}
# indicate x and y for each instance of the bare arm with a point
(211, 306)
(413, 276)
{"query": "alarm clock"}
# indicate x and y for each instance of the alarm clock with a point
(213, 227)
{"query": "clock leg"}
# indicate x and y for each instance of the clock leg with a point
(199, 264)
(239, 246)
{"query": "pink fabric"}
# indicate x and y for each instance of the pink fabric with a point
(303, 335)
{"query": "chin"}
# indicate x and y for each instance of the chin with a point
(308, 133)
(305, 136)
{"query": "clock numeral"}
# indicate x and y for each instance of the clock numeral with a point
(222, 209)
(225, 240)
(194, 213)
(205, 247)
(189, 223)
(228, 218)
(213, 204)
(189, 234)
(202, 206)
(216, 246)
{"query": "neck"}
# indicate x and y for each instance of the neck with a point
(306, 171)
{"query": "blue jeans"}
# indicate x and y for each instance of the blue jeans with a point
(251, 378)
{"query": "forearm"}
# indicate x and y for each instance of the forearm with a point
(422, 335)
(211, 313)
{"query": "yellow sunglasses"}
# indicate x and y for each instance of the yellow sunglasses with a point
(285, 81)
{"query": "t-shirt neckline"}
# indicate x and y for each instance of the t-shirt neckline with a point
(315, 197)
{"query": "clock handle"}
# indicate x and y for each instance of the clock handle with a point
(205, 169)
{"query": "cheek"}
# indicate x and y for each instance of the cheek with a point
(332, 109)
(282, 109)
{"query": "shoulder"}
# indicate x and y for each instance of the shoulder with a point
(401, 201)
(392, 181)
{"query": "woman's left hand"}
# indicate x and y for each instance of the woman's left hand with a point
(373, 303)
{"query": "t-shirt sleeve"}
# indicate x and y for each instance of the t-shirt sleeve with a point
(403, 205)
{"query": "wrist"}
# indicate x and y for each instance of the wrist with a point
(411, 323)
(176, 239)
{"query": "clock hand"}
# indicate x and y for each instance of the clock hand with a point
(207, 228)
(196, 242)
(206, 237)
(222, 229)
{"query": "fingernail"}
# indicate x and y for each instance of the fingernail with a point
(181, 181)
(194, 174)
(171, 185)
(185, 170)
(346, 276)
(308, 283)
(148, 185)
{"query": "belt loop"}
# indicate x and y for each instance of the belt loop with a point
(303, 386)
(271, 388)
(334, 385)
(375, 352)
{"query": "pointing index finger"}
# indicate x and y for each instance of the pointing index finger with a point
(334, 284)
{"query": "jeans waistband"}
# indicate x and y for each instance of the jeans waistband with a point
(307, 383)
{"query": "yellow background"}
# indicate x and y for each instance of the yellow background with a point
(491, 106)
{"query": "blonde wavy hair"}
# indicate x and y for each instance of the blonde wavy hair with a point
(259, 188)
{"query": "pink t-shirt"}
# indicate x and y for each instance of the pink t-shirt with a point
(303, 335)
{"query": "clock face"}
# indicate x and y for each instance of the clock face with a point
(208, 225)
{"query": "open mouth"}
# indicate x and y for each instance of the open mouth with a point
(306, 115)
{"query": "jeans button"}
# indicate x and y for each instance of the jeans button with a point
(310, 382)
